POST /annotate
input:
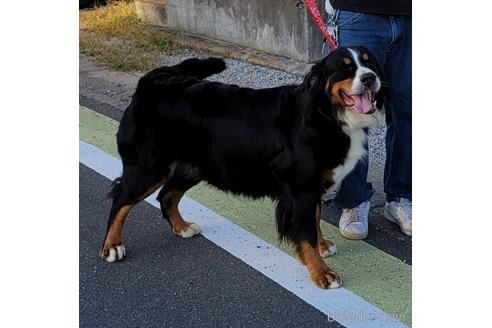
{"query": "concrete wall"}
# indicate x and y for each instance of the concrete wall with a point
(274, 26)
(152, 10)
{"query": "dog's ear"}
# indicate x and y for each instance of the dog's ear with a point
(314, 79)
(313, 87)
(314, 98)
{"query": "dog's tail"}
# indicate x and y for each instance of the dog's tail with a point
(201, 68)
(194, 68)
(171, 79)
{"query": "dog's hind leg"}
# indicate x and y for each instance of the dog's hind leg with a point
(182, 178)
(133, 186)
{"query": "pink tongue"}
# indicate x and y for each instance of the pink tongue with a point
(362, 103)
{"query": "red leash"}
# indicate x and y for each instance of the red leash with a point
(313, 10)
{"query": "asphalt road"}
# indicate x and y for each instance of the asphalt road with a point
(168, 281)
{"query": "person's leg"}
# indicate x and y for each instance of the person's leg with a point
(398, 168)
(373, 32)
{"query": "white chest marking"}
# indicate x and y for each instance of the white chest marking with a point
(355, 153)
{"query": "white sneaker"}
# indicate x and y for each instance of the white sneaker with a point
(354, 221)
(400, 212)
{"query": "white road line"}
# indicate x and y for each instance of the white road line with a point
(344, 306)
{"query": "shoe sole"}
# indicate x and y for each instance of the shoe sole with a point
(352, 237)
(390, 218)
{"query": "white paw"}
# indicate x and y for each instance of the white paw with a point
(193, 229)
(116, 253)
(332, 250)
(334, 284)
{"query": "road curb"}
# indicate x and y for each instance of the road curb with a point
(230, 50)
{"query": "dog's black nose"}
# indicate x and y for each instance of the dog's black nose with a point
(368, 79)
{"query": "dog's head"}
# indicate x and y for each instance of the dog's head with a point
(346, 85)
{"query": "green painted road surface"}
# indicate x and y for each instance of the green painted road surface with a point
(372, 274)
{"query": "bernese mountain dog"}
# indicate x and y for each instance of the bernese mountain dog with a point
(290, 143)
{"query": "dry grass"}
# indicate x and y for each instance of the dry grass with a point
(117, 37)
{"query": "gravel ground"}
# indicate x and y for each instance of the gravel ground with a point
(252, 76)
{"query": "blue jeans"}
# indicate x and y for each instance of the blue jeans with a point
(389, 38)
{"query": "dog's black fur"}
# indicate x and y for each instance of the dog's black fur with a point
(273, 142)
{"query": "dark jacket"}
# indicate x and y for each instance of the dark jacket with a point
(383, 7)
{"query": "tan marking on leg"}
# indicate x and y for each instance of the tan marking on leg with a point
(325, 247)
(178, 224)
(115, 231)
(114, 234)
(321, 274)
(171, 201)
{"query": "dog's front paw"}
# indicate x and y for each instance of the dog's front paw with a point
(113, 253)
(190, 231)
(326, 248)
(326, 278)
